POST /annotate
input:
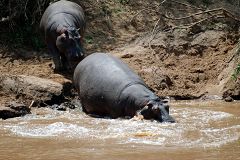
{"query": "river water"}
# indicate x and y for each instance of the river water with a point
(204, 130)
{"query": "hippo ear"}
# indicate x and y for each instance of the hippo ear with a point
(153, 107)
(61, 39)
(63, 36)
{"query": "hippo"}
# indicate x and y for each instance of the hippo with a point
(63, 24)
(107, 87)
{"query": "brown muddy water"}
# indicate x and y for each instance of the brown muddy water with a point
(204, 131)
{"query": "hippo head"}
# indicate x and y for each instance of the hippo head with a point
(69, 43)
(158, 110)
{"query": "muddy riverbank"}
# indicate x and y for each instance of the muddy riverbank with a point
(167, 67)
(184, 50)
(194, 62)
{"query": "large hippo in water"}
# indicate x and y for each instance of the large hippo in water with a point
(63, 25)
(108, 87)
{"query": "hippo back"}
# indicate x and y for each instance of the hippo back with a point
(71, 10)
(100, 78)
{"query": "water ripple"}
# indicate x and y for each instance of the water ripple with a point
(195, 128)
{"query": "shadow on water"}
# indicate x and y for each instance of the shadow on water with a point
(212, 127)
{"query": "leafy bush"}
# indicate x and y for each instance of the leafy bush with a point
(123, 1)
(19, 22)
(191, 1)
(207, 2)
(236, 72)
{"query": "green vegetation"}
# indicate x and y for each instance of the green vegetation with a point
(19, 22)
(25, 35)
(207, 2)
(191, 1)
(19, 19)
(123, 2)
(88, 39)
(236, 72)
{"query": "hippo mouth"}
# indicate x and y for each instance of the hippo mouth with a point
(164, 116)
(167, 119)
(159, 113)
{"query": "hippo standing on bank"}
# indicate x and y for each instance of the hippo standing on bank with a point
(108, 87)
(63, 25)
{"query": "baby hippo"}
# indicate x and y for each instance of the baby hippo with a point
(108, 87)
(63, 25)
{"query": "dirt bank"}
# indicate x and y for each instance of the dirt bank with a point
(183, 66)
(184, 63)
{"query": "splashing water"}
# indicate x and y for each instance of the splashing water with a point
(195, 127)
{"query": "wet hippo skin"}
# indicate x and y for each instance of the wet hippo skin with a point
(108, 87)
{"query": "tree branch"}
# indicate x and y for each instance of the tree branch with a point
(149, 8)
(195, 23)
(195, 14)
(188, 5)
(224, 12)
(152, 35)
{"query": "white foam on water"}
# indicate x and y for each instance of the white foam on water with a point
(193, 128)
(221, 136)
(54, 129)
(199, 115)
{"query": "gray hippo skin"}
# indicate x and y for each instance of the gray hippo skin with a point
(108, 87)
(63, 25)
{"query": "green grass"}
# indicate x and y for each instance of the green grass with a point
(89, 39)
(123, 2)
(236, 73)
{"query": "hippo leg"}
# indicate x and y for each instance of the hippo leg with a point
(64, 62)
(56, 57)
